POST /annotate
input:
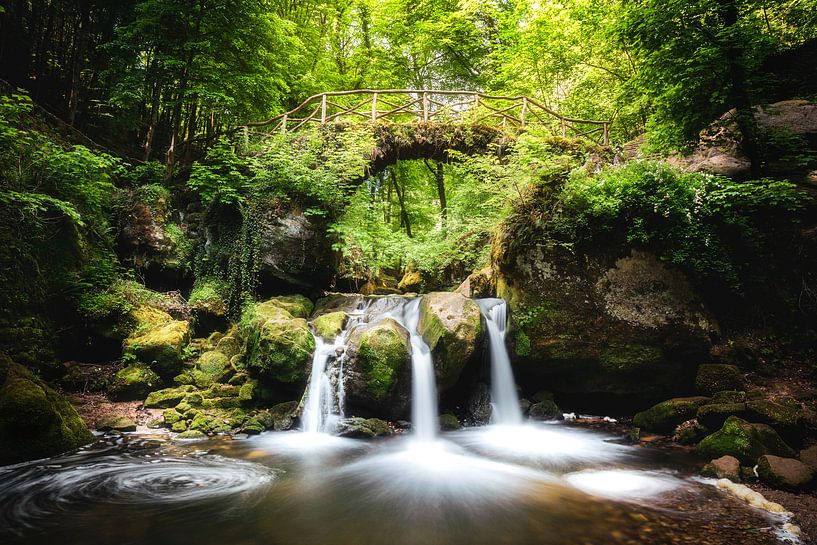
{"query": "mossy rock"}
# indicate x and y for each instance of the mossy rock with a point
(785, 473)
(171, 416)
(132, 382)
(297, 305)
(545, 410)
(363, 428)
(689, 432)
(745, 441)
(283, 415)
(729, 396)
(783, 417)
(35, 421)
(717, 377)
(412, 281)
(449, 422)
(168, 397)
(116, 423)
(713, 415)
(279, 347)
(451, 325)
(328, 326)
(627, 358)
(192, 434)
(158, 341)
(210, 368)
(665, 416)
(229, 345)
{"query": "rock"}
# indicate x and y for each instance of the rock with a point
(449, 422)
(784, 418)
(713, 415)
(809, 457)
(208, 306)
(229, 345)
(451, 326)
(211, 367)
(725, 467)
(545, 410)
(729, 397)
(785, 473)
(664, 416)
(346, 302)
(282, 415)
(132, 382)
(169, 397)
(716, 377)
(378, 374)
(689, 432)
(158, 341)
(412, 281)
(297, 305)
(745, 441)
(117, 423)
(35, 421)
(624, 325)
(478, 406)
(329, 325)
(363, 428)
(478, 284)
(278, 346)
(192, 434)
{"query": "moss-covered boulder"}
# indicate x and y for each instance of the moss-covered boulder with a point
(665, 416)
(786, 416)
(168, 397)
(717, 377)
(208, 305)
(377, 370)
(689, 432)
(450, 324)
(745, 441)
(192, 434)
(363, 428)
(449, 422)
(116, 423)
(609, 321)
(278, 346)
(329, 325)
(713, 415)
(412, 281)
(297, 305)
(786, 473)
(334, 302)
(545, 410)
(158, 341)
(211, 367)
(133, 381)
(229, 345)
(35, 421)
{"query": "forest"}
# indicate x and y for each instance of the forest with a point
(369, 271)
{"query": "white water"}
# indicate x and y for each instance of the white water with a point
(504, 400)
(424, 419)
(319, 414)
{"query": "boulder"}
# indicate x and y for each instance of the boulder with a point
(297, 305)
(725, 467)
(278, 346)
(210, 368)
(134, 381)
(363, 428)
(717, 377)
(229, 345)
(158, 341)
(545, 410)
(784, 417)
(192, 434)
(116, 423)
(329, 325)
(334, 302)
(745, 441)
(35, 421)
(412, 281)
(787, 473)
(169, 397)
(477, 284)
(625, 325)
(478, 406)
(208, 305)
(665, 416)
(713, 415)
(449, 422)
(809, 457)
(451, 326)
(689, 432)
(377, 370)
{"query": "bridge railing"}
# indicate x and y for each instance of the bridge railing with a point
(432, 106)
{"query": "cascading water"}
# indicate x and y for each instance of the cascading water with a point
(321, 401)
(504, 400)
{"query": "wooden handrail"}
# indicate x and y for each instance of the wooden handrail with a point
(424, 105)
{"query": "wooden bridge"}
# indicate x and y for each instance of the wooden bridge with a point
(407, 106)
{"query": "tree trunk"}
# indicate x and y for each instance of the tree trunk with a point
(400, 194)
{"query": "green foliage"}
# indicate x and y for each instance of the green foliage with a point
(220, 176)
(207, 290)
(716, 229)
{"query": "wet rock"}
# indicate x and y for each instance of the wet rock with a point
(168, 397)
(134, 381)
(278, 346)
(713, 415)
(208, 306)
(478, 406)
(478, 284)
(451, 326)
(378, 374)
(346, 302)
(725, 467)
(158, 341)
(665, 416)
(449, 422)
(35, 421)
(192, 434)
(545, 410)
(283, 415)
(784, 417)
(717, 377)
(809, 457)
(363, 428)
(329, 325)
(297, 305)
(787, 473)
(745, 441)
(210, 368)
(117, 423)
(689, 432)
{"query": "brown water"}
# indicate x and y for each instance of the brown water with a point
(546, 484)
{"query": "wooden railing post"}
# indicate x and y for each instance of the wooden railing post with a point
(374, 107)
(284, 123)
(425, 106)
(524, 111)
(606, 134)
(323, 110)
(564, 126)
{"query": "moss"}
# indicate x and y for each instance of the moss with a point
(229, 346)
(449, 422)
(35, 421)
(210, 368)
(171, 416)
(281, 349)
(628, 357)
(383, 353)
(664, 416)
(411, 281)
(297, 305)
(118, 423)
(522, 344)
(168, 397)
(744, 441)
(775, 414)
(364, 427)
(133, 382)
(689, 432)
(246, 392)
(545, 410)
(713, 415)
(717, 377)
(179, 426)
(729, 397)
(158, 341)
(329, 326)
(192, 434)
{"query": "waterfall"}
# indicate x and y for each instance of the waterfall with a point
(318, 414)
(424, 419)
(504, 400)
